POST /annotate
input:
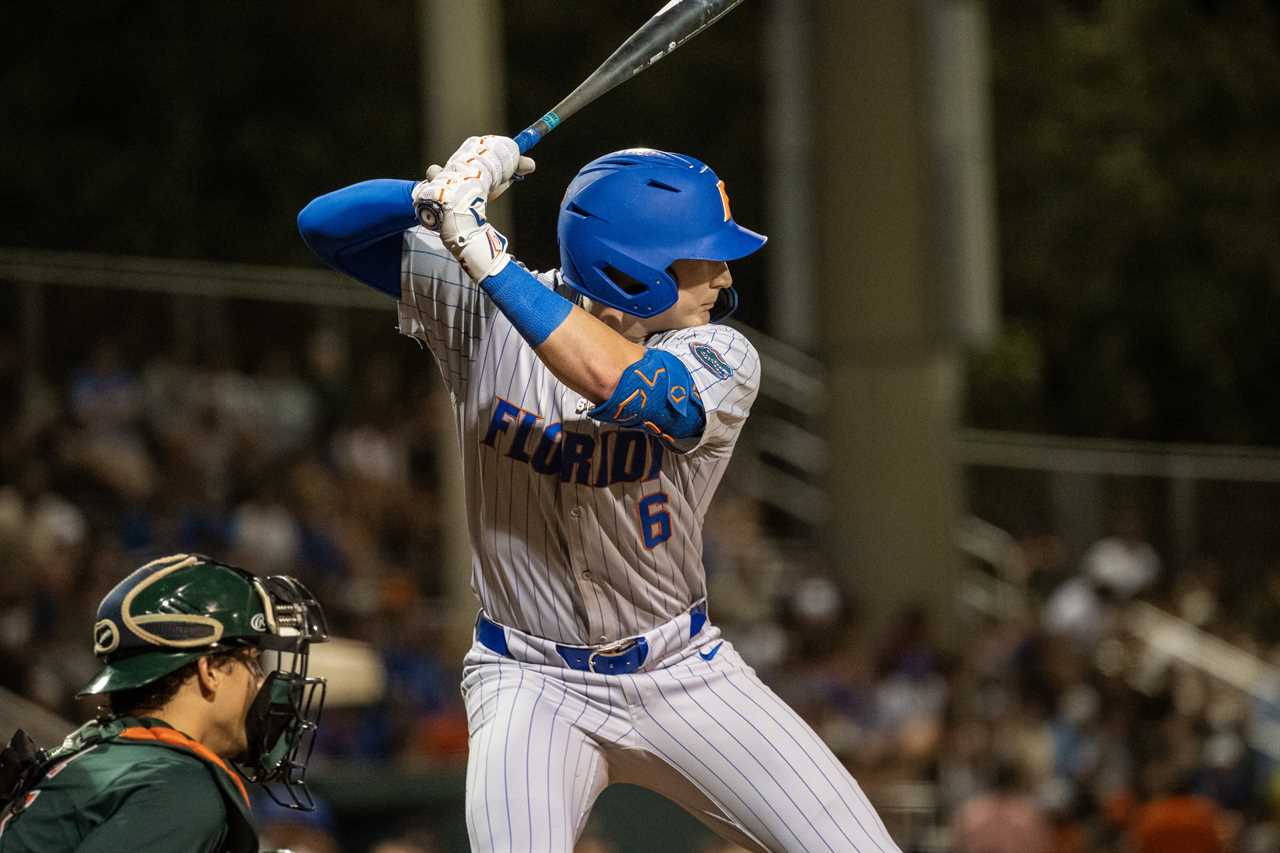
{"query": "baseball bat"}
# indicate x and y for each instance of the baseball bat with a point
(671, 26)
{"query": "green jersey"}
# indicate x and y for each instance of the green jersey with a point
(134, 785)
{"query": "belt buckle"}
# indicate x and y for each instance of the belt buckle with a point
(612, 650)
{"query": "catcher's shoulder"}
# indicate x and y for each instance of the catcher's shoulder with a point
(143, 764)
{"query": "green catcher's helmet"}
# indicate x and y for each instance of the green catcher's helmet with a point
(177, 609)
(173, 611)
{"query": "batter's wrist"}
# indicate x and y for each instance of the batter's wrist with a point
(483, 254)
(534, 309)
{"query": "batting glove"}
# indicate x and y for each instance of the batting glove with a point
(480, 248)
(495, 161)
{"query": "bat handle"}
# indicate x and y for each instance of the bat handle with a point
(527, 138)
(532, 135)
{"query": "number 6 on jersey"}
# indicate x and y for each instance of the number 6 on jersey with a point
(655, 522)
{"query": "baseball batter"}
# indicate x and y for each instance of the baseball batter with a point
(597, 406)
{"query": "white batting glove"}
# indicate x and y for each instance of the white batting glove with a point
(480, 248)
(493, 160)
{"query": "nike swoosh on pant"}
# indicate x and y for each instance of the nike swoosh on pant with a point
(709, 655)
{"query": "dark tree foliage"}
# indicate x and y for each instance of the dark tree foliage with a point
(182, 129)
(1137, 152)
(1138, 161)
(199, 130)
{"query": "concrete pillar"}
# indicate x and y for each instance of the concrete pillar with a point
(462, 81)
(789, 141)
(463, 93)
(890, 186)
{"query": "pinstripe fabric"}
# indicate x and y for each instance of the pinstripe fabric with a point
(585, 534)
(564, 554)
(706, 734)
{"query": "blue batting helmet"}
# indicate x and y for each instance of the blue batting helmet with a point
(628, 216)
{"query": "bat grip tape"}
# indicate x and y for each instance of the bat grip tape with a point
(532, 135)
(527, 138)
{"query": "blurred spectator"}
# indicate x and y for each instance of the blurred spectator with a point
(107, 401)
(745, 581)
(412, 841)
(1113, 570)
(330, 472)
(264, 533)
(1002, 820)
(288, 406)
(1176, 821)
(1123, 562)
(105, 395)
(1080, 610)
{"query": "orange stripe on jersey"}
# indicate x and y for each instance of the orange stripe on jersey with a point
(172, 737)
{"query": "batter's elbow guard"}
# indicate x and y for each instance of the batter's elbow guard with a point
(656, 394)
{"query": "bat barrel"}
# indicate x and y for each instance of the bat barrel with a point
(673, 25)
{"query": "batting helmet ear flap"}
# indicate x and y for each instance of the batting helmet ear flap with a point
(630, 285)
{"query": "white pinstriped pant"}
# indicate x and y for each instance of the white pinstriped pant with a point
(709, 735)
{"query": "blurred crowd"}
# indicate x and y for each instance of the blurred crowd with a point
(316, 466)
(1039, 726)
(1100, 702)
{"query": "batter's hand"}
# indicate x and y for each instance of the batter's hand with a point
(494, 160)
(480, 248)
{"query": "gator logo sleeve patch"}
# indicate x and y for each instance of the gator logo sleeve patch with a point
(711, 360)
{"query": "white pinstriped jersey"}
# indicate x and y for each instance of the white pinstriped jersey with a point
(583, 533)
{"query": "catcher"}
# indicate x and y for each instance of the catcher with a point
(187, 692)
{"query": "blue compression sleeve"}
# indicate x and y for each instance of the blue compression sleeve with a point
(356, 230)
(533, 308)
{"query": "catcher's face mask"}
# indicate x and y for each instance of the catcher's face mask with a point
(285, 715)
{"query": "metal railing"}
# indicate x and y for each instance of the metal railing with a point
(1109, 457)
(185, 277)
